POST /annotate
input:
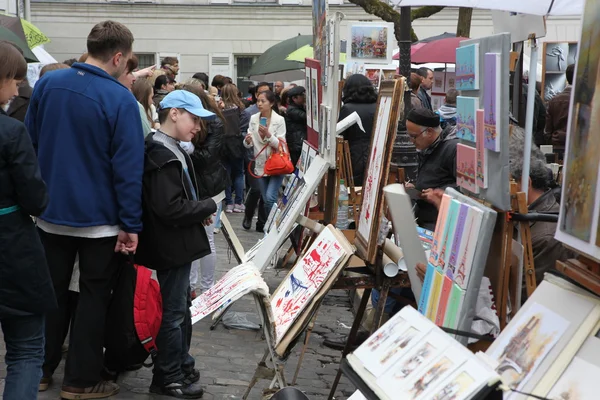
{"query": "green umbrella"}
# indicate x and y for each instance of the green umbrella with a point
(272, 64)
(6, 34)
(307, 52)
(24, 29)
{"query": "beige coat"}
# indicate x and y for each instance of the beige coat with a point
(276, 128)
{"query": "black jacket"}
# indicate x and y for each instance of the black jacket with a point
(19, 105)
(158, 96)
(295, 126)
(234, 131)
(211, 175)
(173, 233)
(425, 98)
(25, 283)
(359, 141)
(436, 170)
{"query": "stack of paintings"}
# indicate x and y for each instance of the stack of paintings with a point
(410, 358)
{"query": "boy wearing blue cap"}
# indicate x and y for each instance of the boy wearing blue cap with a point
(174, 236)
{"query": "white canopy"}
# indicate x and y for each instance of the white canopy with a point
(535, 7)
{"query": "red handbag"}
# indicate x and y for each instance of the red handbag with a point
(278, 162)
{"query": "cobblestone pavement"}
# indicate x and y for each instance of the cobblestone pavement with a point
(227, 358)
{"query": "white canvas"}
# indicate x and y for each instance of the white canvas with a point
(304, 280)
(371, 184)
(524, 344)
(578, 382)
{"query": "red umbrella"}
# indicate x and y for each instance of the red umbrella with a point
(438, 51)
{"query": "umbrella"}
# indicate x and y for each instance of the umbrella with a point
(537, 7)
(307, 52)
(439, 51)
(7, 35)
(444, 35)
(272, 64)
(25, 30)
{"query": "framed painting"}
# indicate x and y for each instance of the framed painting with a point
(467, 67)
(378, 166)
(557, 56)
(370, 42)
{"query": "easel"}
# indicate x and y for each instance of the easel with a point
(582, 270)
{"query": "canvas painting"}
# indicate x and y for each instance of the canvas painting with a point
(482, 162)
(437, 102)
(308, 99)
(466, 161)
(319, 21)
(438, 82)
(371, 184)
(314, 93)
(491, 101)
(388, 74)
(304, 280)
(578, 382)
(467, 67)
(525, 343)
(578, 223)
(374, 75)
(370, 42)
(466, 111)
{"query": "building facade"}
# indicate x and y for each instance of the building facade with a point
(223, 36)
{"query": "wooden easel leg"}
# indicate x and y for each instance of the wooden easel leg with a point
(383, 295)
(258, 374)
(351, 337)
(306, 339)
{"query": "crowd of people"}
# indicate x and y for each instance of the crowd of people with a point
(112, 160)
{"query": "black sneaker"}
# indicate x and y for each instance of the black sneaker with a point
(180, 390)
(260, 228)
(247, 223)
(191, 377)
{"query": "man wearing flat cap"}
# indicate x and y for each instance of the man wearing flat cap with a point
(295, 121)
(437, 162)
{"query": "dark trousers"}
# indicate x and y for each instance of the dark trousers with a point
(24, 338)
(98, 265)
(254, 199)
(174, 362)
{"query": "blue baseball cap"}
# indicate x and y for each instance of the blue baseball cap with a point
(188, 101)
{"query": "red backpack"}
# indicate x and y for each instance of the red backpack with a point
(133, 318)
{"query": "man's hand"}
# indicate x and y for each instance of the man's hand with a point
(409, 185)
(126, 243)
(433, 196)
(208, 221)
(421, 270)
(146, 72)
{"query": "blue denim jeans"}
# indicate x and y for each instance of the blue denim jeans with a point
(24, 338)
(391, 306)
(175, 335)
(235, 169)
(269, 189)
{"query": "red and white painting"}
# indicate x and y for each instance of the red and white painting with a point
(305, 280)
(373, 175)
(466, 166)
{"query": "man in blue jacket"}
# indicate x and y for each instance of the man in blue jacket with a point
(86, 129)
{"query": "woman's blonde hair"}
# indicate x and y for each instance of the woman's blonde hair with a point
(229, 95)
(155, 74)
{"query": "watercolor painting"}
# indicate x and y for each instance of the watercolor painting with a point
(423, 354)
(578, 382)
(374, 75)
(438, 82)
(466, 110)
(432, 376)
(466, 161)
(577, 227)
(482, 162)
(525, 343)
(467, 67)
(371, 43)
(491, 100)
(456, 388)
(304, 280)
(319, 21)
(450, 81)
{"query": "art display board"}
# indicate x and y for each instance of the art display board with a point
(542, 339)
(578, 224)
(456, 262)
(498, 178)
(275, 238)
(314, 96)
(376, 73)
(380, 154)
(411, 358)
(312, 275)
(555, 59)
(370, 42)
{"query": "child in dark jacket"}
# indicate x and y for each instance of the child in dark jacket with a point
(173, 237)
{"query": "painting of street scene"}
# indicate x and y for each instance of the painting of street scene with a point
(528, 340)
(370, 43)
(583, 140)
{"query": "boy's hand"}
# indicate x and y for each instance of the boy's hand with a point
(126, 243)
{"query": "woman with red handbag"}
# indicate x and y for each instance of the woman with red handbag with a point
(266, 134)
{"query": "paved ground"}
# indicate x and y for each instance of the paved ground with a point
(227, 358)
